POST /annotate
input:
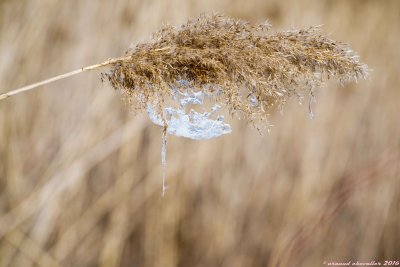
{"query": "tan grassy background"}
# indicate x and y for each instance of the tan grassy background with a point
(80, 175)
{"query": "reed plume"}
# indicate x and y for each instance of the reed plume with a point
(246, 67)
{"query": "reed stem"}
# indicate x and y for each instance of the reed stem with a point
(61, 76)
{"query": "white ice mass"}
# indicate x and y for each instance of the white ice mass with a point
(190, 124)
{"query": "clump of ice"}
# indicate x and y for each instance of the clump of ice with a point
(190, 124)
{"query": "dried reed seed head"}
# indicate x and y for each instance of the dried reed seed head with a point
(253, 70)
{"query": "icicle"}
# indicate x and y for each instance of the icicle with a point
(310, 102)
(164, 160)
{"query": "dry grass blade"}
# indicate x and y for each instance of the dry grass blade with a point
(250, 69)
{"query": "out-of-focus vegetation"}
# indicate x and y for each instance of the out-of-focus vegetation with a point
(80, 175)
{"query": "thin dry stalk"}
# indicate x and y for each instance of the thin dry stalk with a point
(61, 76)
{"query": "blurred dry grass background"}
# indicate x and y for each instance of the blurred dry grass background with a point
(80, 176)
